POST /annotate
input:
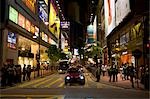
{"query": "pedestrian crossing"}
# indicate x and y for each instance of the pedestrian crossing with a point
(57, 81)
(32, 96)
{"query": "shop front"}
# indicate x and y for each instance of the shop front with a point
(27, 51)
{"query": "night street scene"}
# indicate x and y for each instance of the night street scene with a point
(74, 49)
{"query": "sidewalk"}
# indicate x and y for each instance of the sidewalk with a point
(126, 84)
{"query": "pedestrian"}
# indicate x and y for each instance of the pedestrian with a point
(114, 72)
(104, 69)
(29, 72)
(132, 73)
(18, 73)
(98, 73)
(110, 73)
(4, 75)
(10, 71)
(124, 72)
(24, 72)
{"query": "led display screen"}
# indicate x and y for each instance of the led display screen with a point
(21, 20)
(28, 25)
(11, 40)
(42, 14)
(13, 15)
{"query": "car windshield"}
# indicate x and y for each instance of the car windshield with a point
(73, 70)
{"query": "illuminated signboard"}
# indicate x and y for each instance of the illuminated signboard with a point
(30, 4)
(42, 14)
(28, 25)
(32, 30)
(95, 28)
(54, 22)
(21, 20)
(122, 10)
(109, 6)
(45, 38)
(65, 25)
(11, 40)
(90, 30)
(13, 14)
(46, 1)
(36, 31)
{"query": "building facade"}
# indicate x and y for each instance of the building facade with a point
(25, 36)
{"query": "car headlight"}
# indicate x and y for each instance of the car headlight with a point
(67, 77)
(81, 77)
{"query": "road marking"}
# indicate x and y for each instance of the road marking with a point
(38, 84)
(33, 96)
(31, 82)
(53, 82)
(61, 84)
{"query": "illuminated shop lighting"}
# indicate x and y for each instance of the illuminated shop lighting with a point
(58, 4)
(56, 1)
(43, 5)
(41, 2)
(60, 11)
(92, 1)
(59, 8)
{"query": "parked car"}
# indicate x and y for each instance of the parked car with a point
(74, 76)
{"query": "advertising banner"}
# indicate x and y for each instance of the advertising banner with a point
(54, 22)
(109, 6)
(42, 14)
(13, 15)
(30, 4)
(21, 20)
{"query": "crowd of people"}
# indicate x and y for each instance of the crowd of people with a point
(127, 72)
(12, 74)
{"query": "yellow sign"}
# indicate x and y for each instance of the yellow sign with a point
(54, 22)
(30, 4)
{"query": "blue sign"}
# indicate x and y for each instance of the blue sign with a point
(42, 14)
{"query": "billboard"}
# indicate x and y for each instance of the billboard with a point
(122, 10)
(42, 14)
(95, 28)
(109, 6)
(11, 40)
(21, 20)
(30, 4)
(54, 21)
(90, 30)
(13, 15)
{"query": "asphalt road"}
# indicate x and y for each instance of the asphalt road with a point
(52, 87)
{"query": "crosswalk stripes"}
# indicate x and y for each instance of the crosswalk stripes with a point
(31, 96)
(38, 84)
(48, 85)
(31, 82)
